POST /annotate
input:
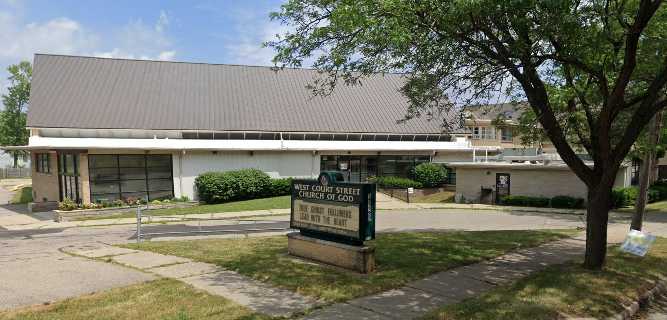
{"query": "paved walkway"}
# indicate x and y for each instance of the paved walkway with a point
(208, 277)
(452, 286)
(411, 301)
(33, 271)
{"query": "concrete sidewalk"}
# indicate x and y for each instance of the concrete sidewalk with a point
(24, 224)
(413, 300)
(417, 298)
(256, 295)
(420, 297)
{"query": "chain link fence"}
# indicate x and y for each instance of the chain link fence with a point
(12, 173)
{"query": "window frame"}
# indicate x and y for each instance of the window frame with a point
(121, 180)
(43, 162)
(483, 133)
(504, 136)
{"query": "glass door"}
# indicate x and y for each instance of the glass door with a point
(355, 169)
(502, 185)
(68, 176)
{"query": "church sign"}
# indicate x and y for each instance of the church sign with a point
(342, 212)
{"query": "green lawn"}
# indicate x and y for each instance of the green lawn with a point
(22, 195)
(160, 299)
(567, 289)
(660, 206)
(400, 258)
(247, 205)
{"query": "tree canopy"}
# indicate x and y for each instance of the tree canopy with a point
(591, 70)
(13, 117)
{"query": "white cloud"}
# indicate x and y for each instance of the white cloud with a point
(247, 47)
(61, 35)
(166, 55)
(137, 40)
(162, 21)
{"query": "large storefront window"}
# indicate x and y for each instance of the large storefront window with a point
(360, 168)
(114, 177)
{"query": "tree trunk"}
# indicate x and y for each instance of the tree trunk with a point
(599, 203)
(16, 160)
(645, 176)
(642, 197)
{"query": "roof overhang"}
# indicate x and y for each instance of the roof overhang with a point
(37, 142)
(518, 166)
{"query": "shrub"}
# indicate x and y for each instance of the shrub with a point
(623, 197)
(657, 192)
(397, 182)
(181, 199)
(567, 202)
(280, 187)
(525, 201)
(68, 205)
(430, 174)
(217, 187)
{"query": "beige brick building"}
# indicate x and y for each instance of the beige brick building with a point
(482, 182)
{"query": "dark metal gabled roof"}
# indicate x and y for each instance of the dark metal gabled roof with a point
(86, 92)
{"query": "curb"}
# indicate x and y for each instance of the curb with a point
(644, 299)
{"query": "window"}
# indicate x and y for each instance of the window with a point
(506, 134)
(114, 177)
(43, 163)
(483, 133)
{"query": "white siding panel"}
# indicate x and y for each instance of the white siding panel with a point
(276, 164)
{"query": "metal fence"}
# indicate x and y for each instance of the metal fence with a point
(202, 226)
(6, 173)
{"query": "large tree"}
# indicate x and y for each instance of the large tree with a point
(595, 70)
(13, 116)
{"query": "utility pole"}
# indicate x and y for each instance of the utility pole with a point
(645, 172)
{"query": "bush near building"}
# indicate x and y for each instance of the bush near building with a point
(560, 202)
(626, 197)
(244, 184)
(525, 201)
(566, 202)
(430, 174)
(396, 182)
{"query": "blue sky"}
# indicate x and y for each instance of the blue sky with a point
(199, 31)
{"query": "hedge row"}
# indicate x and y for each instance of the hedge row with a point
(244, 184)
(563, 202)
(625, 197)
(396, 182)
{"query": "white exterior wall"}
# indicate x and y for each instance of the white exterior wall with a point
(537, 182)
(277, 164)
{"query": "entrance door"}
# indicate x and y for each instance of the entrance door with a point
(350, 166)
(502, 185)
(355, 169)
(68, 176)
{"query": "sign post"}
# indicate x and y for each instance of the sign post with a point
(334, 220)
